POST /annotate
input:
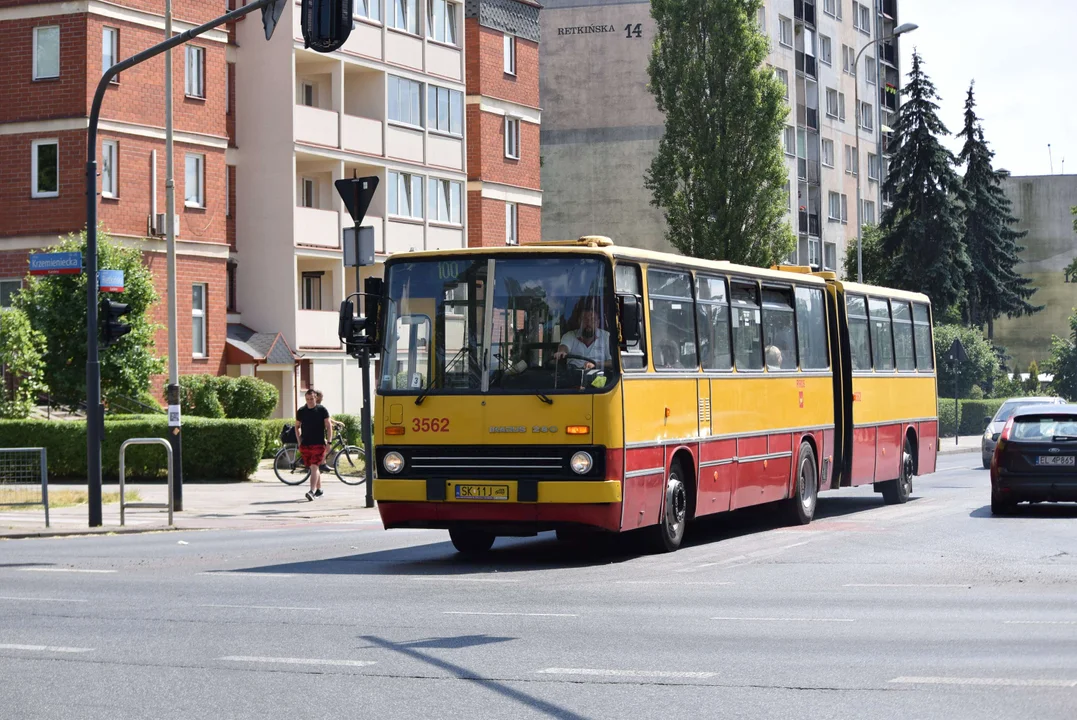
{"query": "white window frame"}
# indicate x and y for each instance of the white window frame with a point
(783, 75)
(194, 72)
(409, 183)
(304, 87)
(828, 7)
(414, 95)
(761, 19)
(844, 208)
(867, 217)
(509, 52)
(447, 13)
(35, 191)
(824, 144)
(453, 100)
(199, 313)
(859, 11)
(841, 106)
(114, 48)
(867, 122)
(512, 138)
(832, 248)
(110, 153)
(831, 111)
(308, 192)
(826, 50)
(311, 298)
(873, 167)
(228, 191)
(367, 9)
(785, 31)
(37, 52)
(789, 141)
(512, 224)
(872, 69)
(410, 19)
(441, 193)
(848, 60)
(833, 210)
(200, 180)
(852, 164)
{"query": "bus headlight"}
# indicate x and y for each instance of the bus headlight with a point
(581, 463)
(393, 462)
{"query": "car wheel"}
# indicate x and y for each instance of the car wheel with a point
(987, 462)
(471, 542)
(666, 536)
(1002, 505)
(897, 492)
(800, 509)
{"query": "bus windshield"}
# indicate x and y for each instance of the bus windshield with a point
(545, 328)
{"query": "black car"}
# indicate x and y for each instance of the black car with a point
(1036, 458)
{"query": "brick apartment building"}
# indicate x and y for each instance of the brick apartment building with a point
(504, 202)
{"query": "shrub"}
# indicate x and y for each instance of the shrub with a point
(247, 397)
(21, 350)
(198, 396)
(973, 413)
(982, 366)
(1032, 385)
(212, 449)
(976, 393)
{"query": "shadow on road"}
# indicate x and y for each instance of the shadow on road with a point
(1039, 511)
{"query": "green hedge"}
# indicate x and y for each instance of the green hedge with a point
(212, 449)
(973, 413)
(352, 431)
(215, 396)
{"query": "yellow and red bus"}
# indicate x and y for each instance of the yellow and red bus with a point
(579, 385)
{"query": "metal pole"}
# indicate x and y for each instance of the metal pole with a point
(94, 411)
(45, 483)
(175, 439)
(957, 406)
(856, 123)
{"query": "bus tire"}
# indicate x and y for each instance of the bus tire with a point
(897, 492)
(667, 535)
(468, 541)
(800, 508)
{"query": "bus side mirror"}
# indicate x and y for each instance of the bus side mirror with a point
(373, 297)
(630, 315)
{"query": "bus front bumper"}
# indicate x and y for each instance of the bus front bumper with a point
(498, 492)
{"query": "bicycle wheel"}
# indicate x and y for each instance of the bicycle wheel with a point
(350, 465)
(289, 466)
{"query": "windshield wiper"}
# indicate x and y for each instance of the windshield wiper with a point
(426, 391)
(506, 366)
(1065, 438)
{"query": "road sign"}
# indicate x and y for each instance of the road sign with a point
(358, 246)
(357, 194)
(271, 16)
(957, 352)
(65, 263)
(110, 280)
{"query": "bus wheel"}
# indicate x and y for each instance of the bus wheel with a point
(667, 535)
(471, 542)
(897, 492)
(800, 508)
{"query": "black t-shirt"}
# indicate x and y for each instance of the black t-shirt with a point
(312, 422)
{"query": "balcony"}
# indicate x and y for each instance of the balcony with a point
(444, 61)
(806, 64)
(404, 49)
(888, 54)
(317, 329)
(808, 223)
(804, 10)
(405, 143)
(362, 135)
(316, 126)
(365, 40)
(889, 8)
(888, 96)
(317, 228)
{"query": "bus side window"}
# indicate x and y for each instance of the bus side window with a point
(747, 339)
(673, 327)
(779, 335)
(712, 309)
(858, 332)
(627, 280)
(925, 355)
(811, 329)
(882, 339)
(903, 347)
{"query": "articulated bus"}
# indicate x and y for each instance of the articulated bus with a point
(578, 386)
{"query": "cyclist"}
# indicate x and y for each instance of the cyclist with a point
(314, 428)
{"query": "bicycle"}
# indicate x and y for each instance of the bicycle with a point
(348, 461)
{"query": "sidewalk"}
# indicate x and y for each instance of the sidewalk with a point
(262, 502)
(965, 444)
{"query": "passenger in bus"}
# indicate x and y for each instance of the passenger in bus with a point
(774, 357)
(587, 341)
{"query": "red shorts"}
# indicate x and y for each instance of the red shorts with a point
(312, 454)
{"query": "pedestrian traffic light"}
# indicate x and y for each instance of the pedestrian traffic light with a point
(326, 24)
(108, 321)
(361, 333)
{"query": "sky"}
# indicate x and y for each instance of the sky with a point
(1022, 56)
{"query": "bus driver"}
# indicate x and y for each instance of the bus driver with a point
(589, 342)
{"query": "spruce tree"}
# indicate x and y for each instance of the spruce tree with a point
(993, 288)
(922, 229)
(719, 175)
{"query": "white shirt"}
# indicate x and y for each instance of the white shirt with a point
(597, 352)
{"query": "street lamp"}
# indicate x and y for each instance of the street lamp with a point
(900, 30)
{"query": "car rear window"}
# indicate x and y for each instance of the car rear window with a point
(1044, 427)
(1008, 409)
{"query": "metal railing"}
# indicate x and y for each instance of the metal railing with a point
(24, 466)
(150, 506)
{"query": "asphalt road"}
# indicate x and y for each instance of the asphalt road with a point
(933, 609)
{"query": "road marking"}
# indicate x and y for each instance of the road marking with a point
(1041, 622)
(1002, 682)
(260, 607)
(626, 673)
(787, 619)
(71, 570)
(45, 648)
(298, 661)
(466, 579)
(240, 573)
(31, 599)
(516, 614)
(903, 585)
(670, 582)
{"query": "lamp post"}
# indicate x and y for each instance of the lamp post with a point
(900, 30)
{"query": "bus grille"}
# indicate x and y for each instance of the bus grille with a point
(543, 462)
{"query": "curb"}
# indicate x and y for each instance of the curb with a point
(88, 532)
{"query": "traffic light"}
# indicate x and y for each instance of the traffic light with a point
(359, 332)
(111, 329)
(326, 24)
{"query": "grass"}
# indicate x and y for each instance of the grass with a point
(57, 498)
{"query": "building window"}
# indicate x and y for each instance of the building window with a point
(198, 320)
(444, 110)
(828, 6)
(405, 15)
(862, 18)
(512, 138)
(195, 72)
(510, 54)
(830, 256)
(785, 31)
(444, 201)
(835, 206)
(45, 168)
(405, 195)
(109, 178)
(312, 291)
(866, 121)
(308, 94)
(790, 140)
(872, 71)
(844, 208)
(194, 183)
(441, 21)
(848, 59)
(825, 50)
(512, 224)
(831, 102)
(228, 191)
(370, 9)
(308, 193)
(405, 101)
(868, 215)
(851, 164)
(873, 167)
(828, 152)
(761, 20)
(110, 49)
(46, 52)
(783, 77)
(815, 252)
(230, 276)
(841, 106)
(8, 289)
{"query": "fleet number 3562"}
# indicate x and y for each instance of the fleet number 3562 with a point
(430, 425)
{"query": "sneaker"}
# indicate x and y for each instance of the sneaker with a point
(324, 468)
(309, 496)
(318, 492)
